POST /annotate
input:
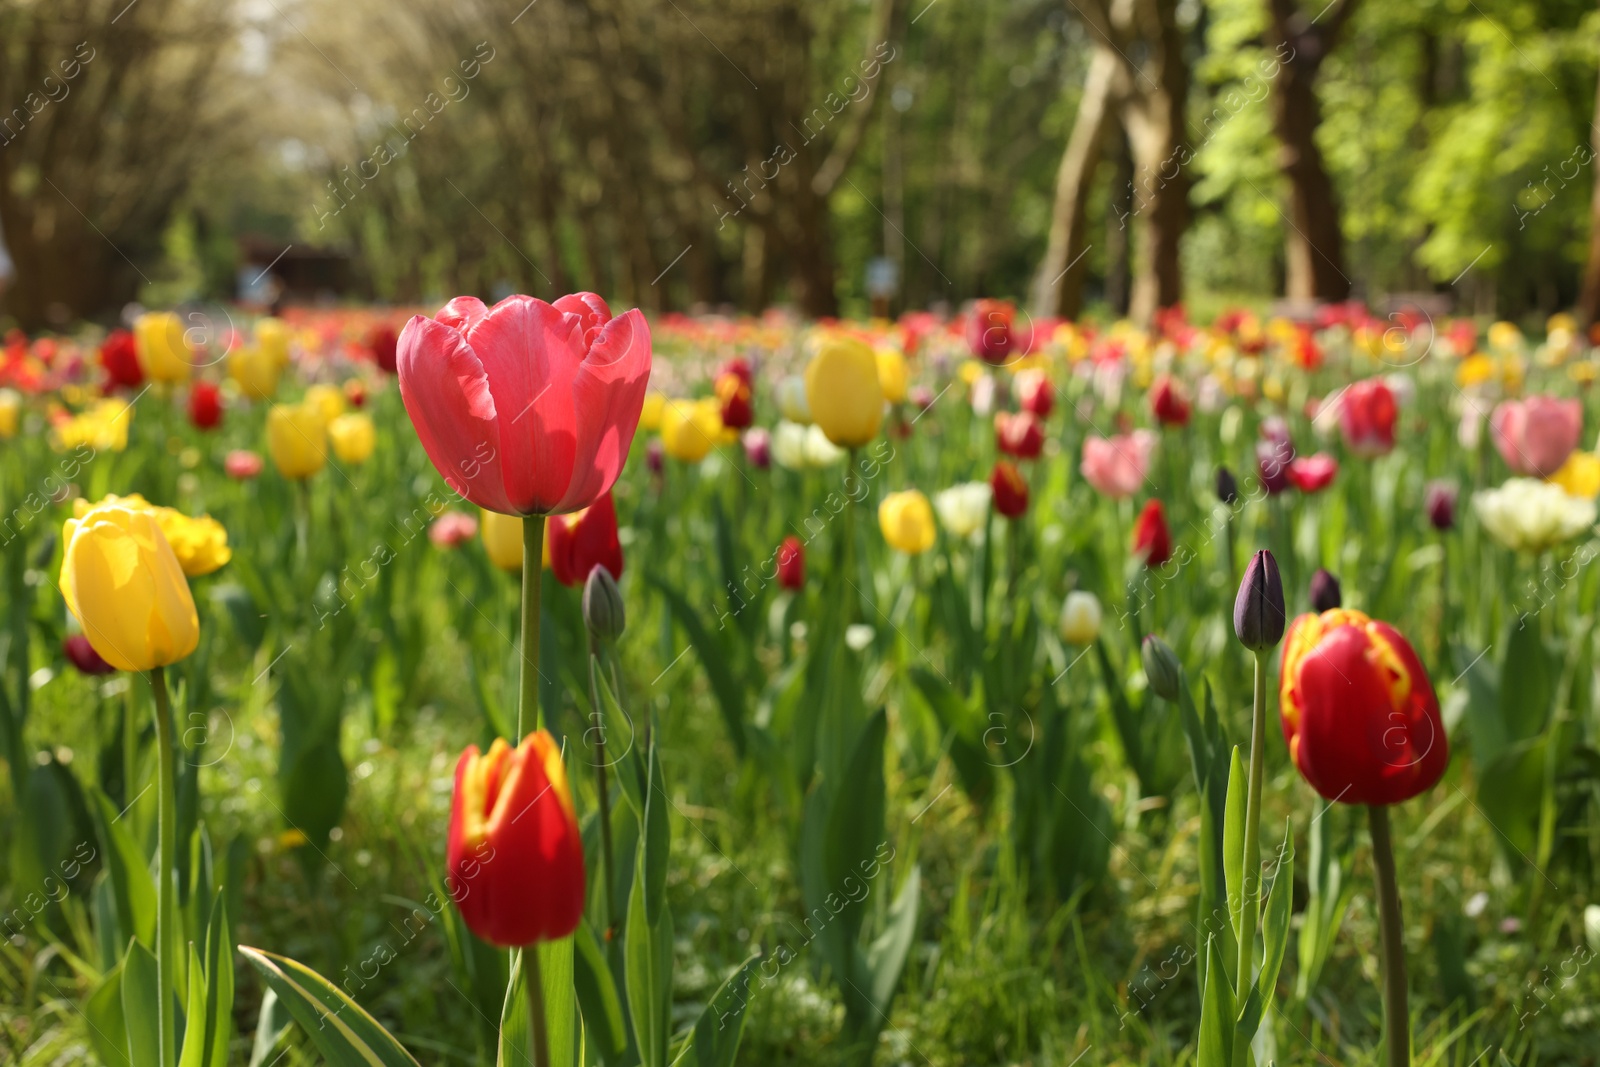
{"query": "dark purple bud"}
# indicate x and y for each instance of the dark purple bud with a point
(83, 656)
(1440, 500)
(1258, 613)
(1227, 487)
(1325, 592)
(655, 455)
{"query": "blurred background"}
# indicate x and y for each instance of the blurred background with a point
(1103, 157)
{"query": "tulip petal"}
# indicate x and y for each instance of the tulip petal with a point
(608, 395)
(462, 313)
(446, 393)
(530, 354)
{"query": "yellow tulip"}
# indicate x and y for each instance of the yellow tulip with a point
(297, 439)
(650, 414)
(1505, 336)
(1474, 370)
(272, 337)
(328, 399)
(123, 583)
(892, 375)
(906, 519)
(256, 371)
(502, 540)
(201, 544)
(843, 393)
(1580, 475)
(689, 428)
(104, 426)
(353, 437)
(159, 342)
(10, 413)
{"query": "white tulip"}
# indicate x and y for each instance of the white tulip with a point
(1080, 618)
(1531, 516)
(963, 508)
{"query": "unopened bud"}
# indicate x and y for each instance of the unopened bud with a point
(1227, 487)
(1258, 613)
(1161, 667)
(603, 613)
(1325, 592)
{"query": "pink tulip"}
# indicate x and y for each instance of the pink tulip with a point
(526, 408)
(1312, 474)
(452, 529)
(1116, 466)
(1537, 435)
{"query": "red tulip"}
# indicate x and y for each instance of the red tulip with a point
(989, 333)
(526, 408)
(1169, 402)
(734, 393)
(1358, 710)
(1368, 413)
(121, 361)
(384, 345)
(739, 367)
(1151, 538)
(580, 540)
(1036, 393)
(792, 563)
(1010, 489)
(83, 656)
(1312, 474)
(1018, 434)
(205, 405)
(514, 860)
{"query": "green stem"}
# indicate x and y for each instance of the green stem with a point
(1396, 1018)
(539, 1055)
(167, 847)
(532, 572)
(302, 517)
(130, 749)
(1249, 905)
(602, 789)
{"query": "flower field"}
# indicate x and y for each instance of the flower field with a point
(977, 689)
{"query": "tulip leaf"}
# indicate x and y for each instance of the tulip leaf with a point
(714, 657)
(1330, 891)
(1527, 681)
(195, 1047)
(655, 841)
(1233, 842)
(721, 1025)
(272, 1023)
(1215, 1045)
(1275, 938)
(603, 1023)
(560, 1005)
(648, 969)
(339, 1028)
(107, 1021)
(516, 1029)
(133, 890)
(855, 831)
(961, 725)
(886, 956)
(140, 1000)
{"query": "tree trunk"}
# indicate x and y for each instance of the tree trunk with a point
(1118, 267)
(1315, 241)
(1058, 287)
(1158, 135)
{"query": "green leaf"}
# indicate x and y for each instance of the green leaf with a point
(340, 1029)
(560, 1006)
(648, 968)
(1215, 1045)
(1233, 842)
(656, 840)
(603, 1023)
(965, 732)
(107, 1021)
(1275, 938)
(140, 999)
(196, 1045)
(133, 890)
(1527, 682)
(714, 657)
(721, 1025)
(272, 1023)
(886, 956)
(516, 1030)
(855, 828)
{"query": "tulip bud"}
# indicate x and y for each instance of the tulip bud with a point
(1258, 613)
(792, 564)
(603, 612)
(1227, 487)
(1440, 500)
(1161, 667)
(1325, 592)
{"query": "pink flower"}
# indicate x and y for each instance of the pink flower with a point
(1536, 435)
(1116, 466)
(526, 408)
(452, 529)
(242, 464)
(1311, 474)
